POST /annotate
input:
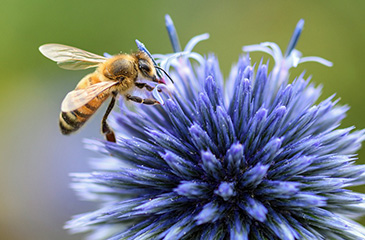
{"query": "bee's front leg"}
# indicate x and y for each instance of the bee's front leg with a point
(137, 99)
(145, 85)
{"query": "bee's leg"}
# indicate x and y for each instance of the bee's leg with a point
(145, 85)
(147, 101)
(107, 131)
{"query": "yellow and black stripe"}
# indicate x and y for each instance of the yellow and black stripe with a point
(73, 120)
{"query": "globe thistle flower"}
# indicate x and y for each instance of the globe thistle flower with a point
(253, 157)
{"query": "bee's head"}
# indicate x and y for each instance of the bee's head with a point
(146, 67)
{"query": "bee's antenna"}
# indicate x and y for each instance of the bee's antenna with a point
(163, 70)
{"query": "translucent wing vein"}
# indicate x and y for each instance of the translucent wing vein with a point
(79, 97)
(70, 57)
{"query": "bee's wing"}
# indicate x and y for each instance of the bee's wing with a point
(70, 57)
(79, 97)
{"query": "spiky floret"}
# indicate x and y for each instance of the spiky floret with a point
(255, 157)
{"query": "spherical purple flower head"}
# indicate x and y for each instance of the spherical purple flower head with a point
(254, 157)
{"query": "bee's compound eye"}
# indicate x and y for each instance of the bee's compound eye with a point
(144, 66)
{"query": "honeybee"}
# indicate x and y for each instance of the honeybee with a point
(113, 76)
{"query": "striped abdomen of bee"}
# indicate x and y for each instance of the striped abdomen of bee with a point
(73, 120)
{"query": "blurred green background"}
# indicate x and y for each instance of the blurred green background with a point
(36, 159)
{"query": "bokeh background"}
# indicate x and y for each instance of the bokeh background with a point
(36, 159)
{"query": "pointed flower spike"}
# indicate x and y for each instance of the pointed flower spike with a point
(295, 37)
(171, 30)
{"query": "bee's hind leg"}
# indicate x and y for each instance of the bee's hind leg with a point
(107, 131)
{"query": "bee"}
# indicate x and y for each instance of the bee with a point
(118, 75)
